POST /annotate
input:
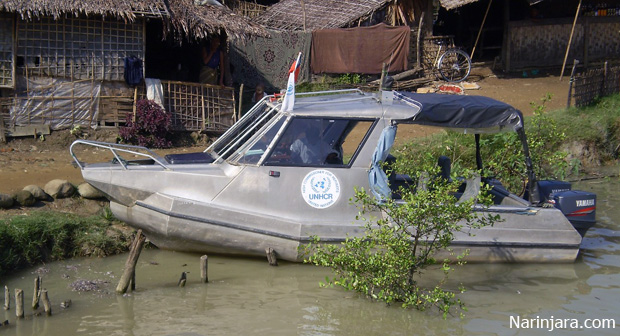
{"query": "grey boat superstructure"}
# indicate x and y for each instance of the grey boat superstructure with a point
(277, 178)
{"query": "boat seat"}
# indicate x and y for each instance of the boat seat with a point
(472, 189)
(189, 158)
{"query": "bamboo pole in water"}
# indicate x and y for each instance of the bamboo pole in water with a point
(271, 256)
(37, 292)
(19, 303)
(130, 264)
(204, 267)
(182, 280)
(47, 306)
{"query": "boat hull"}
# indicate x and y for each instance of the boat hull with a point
(519, 238)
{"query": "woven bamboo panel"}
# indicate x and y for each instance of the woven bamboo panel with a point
(596, 83)
(603, 40)
(5, 107)
(543, 45)
(430, 49)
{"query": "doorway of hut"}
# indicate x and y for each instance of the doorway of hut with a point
(169, 58)
(463, 23)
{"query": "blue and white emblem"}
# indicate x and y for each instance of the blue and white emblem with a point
(320, 189)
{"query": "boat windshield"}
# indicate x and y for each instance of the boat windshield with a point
(319, 142)
(242, 132)
(259, 144)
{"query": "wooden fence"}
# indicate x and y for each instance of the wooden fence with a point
(595, 83)
(198, 107)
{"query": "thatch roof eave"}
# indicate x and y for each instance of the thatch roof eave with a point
(120, 9)
(317, 14)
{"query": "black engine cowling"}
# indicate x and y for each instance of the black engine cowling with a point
(578, 206)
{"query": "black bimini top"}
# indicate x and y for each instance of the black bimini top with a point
(473, 114)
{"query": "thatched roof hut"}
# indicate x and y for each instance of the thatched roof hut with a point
(185, 16)
(451, 4)
(317, 14)
(122, 9)
(201, 20)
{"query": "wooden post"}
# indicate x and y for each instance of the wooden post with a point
(47, 306)
(2, 131)
(7, 298)
(570, 83)
(271, 256)
(240, 102)
(204, 268)
(570, 39)
(382, 77)
(19, 303)
(130, 264)
(37, 292)
(182, 280)
(602, 92)
(419, 42)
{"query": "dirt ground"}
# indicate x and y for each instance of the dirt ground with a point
(25, 161)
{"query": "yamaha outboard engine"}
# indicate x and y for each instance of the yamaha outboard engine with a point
(578, 206)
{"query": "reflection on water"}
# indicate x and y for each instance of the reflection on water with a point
(247, 297)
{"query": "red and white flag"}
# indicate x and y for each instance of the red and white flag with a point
(289, 97)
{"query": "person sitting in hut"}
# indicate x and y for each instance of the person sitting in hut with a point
(212, 61)
(259, 93)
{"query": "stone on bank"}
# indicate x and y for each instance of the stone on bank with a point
(59, 188)
(37, 192)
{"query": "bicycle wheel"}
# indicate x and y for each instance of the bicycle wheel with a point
(454, 65)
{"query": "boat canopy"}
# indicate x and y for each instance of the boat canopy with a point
(472, 114)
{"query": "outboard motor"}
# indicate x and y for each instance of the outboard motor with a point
(578, 206)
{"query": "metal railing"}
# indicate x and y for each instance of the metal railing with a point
(115, 149)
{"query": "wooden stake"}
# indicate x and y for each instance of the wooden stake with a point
(182, 280)
(570, 83)
(271, 256)
(47, 306)
(204, 267)
(130, 264)
(37, 292)
(7, 298)
(19, 303)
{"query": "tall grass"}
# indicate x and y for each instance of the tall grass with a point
(42, 236)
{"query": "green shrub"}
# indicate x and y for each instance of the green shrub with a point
(26, 240)
(386, 264)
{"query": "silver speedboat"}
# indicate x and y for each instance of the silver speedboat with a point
(276, 178)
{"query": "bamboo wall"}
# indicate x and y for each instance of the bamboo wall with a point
(543, 43)
(596, 83)
(77, 48)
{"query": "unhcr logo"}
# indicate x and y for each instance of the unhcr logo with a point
(320, 189)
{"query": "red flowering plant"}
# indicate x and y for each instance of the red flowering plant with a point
(150, 128)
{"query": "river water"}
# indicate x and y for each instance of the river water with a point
(248, 297)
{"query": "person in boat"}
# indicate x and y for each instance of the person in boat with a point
(212, 63)
(303, 149)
